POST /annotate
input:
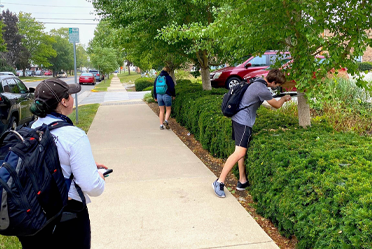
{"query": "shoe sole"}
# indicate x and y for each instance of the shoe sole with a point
(240, 189)
(216, 193)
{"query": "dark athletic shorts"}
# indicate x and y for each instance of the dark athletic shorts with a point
(242, 134)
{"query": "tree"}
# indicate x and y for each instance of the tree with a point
(104, 59)
(298, 27)
(37, 43)
(81, 56)
(64, 50)
(137, 24)
(12, 39)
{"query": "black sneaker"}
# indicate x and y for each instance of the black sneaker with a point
(166, 125)
(242, 186)
(161, 127)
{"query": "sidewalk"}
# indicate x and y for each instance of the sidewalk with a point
(160, 194)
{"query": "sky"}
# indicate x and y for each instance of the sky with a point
(57, 14)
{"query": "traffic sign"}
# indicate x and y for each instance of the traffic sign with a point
(73, 35)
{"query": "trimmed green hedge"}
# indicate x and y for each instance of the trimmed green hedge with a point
(142, 83)
(149, 88)
(365, 66)
(313, 183)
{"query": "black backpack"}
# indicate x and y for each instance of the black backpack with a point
(33, 188)
(231, 99)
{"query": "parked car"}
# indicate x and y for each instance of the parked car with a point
(48, 73)
(38, 73)
(289, 87)
(230, 76)
(61, 75)
(86, 78)
(7, 73)
(97, 75)
(15, 102)
(19, 73)
(30, 73)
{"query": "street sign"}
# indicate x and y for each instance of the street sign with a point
(73, 35)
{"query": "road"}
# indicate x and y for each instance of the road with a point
(68, 80)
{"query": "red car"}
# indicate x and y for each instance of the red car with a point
(230, 76)
(289, 87)
(47, 73)
(86, 78)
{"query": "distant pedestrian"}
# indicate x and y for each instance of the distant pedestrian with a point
(53, 102)
(164, 92)
(242, 123)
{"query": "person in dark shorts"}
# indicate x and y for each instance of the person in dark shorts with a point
(242, 123)
(165, 100)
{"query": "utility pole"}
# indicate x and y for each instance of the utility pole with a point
(74, 38)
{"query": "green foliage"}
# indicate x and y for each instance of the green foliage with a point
(9, 242)
(365, 66)
(148, 88)
(37, 43)
(313, 183)
(182, 74)
(142, 83)
(344, 105)
(104, 59)
(148, 98)
(64, 49)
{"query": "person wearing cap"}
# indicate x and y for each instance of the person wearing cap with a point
(53, 102)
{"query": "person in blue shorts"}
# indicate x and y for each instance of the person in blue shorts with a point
(242, 123)
(165, 100)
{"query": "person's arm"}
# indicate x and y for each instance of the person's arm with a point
(278, 103)
(155, 96)
(171, 87)
(84, 168)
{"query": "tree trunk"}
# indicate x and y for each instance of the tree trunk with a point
(173, 76)
(303, 110)
(206, 80)
(128, 70)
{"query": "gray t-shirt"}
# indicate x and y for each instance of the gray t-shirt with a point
(253, 97)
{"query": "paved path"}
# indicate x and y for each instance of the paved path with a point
(160, 193)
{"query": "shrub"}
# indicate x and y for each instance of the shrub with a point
(148, 98)
(365, 66)
(182, 74)
(313, 183)
(142, 83)
(148, 88)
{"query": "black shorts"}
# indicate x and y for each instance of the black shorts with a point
(242, 134)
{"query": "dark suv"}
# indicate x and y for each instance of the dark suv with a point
(97, 74)
(15, 102)
(230, 76)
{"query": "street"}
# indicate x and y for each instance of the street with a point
(68, 80)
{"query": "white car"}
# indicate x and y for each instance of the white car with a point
(62, 75)
(7, 73)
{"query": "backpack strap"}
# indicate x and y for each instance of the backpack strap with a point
(58, 124)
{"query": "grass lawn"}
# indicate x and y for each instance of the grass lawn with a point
(125, 78)
(29, 79)
(86, 116)
(102, 86)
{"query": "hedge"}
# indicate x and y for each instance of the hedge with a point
(313, 183)
(142, 83)
(365, 66)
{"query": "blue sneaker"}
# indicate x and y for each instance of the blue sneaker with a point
(218, 189)
(242, 186)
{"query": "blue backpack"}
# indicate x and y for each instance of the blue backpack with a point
(33, 189)
(161, 85)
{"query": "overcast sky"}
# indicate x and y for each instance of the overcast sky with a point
(56, 14)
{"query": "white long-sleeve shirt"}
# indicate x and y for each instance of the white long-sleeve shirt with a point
(75, 156)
